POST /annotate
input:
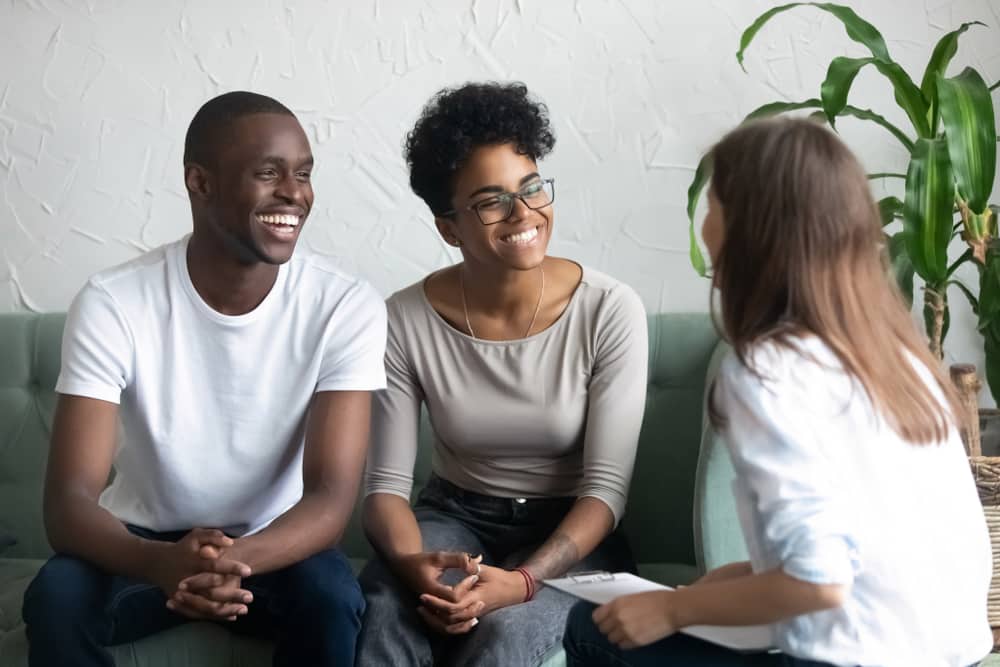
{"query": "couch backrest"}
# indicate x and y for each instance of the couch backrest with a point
(29, 366)
(659, 514)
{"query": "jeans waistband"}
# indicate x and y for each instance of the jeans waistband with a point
(438, 483)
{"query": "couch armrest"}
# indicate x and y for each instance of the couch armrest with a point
(718, 537)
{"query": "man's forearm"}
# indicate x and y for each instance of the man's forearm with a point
(315, 523)
(77, 526)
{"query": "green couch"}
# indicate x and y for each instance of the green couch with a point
(662, 518)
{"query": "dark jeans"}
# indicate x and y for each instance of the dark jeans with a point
(505, 531)
(586, 646)
(73, 611)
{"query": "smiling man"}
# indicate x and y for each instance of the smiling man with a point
(240, 375)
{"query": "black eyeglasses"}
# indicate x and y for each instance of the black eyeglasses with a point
(535, 195)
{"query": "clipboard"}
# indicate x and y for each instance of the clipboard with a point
(602, 587)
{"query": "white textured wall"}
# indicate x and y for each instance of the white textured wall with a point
(95, 96)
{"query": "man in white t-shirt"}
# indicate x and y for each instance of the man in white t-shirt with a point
(240, 376)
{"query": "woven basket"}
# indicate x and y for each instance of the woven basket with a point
(986, 471)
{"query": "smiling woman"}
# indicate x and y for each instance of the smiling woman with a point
(533, 370)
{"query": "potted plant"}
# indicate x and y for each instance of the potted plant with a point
(951, 144)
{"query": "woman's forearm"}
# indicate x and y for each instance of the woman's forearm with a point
(728, 571)
(753, 599)
(391, 526)
(583, 528)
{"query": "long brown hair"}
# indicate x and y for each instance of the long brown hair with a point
(804, 253)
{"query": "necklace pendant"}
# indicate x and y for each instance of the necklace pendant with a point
(534, 316)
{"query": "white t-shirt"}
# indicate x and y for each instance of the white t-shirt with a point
(213, 407)
(831, 494)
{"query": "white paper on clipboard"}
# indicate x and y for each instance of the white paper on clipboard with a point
(603, 587)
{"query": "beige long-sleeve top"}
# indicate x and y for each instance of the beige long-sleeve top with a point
(555, 414)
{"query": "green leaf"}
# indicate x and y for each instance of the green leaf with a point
(970, 127)
(885, 174)
(902, 267)
(991, 346)
(857, 28)
(989, 319)
(868, 114)
(837, 84)
(907, 95)
(774, 108)
(840, 77)
(944, 51)
(890, 208)
(927, 209)
(980, 226)
(970, 297)
(989, 295)
(962, 259)
(701, 176)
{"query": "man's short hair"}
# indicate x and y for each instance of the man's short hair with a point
(216, 115)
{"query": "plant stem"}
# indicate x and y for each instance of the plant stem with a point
(995, 86)
(934, 301)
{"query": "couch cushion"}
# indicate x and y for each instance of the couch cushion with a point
(191, 645)
(15, 575)
(211, 644)
(29, 365)
(717, 533)
(658, 517)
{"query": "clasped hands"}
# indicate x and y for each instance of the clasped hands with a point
(456, 609)
(202, 576)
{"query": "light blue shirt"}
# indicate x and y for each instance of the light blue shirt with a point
(829, 493)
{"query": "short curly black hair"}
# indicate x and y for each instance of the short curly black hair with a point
(207, 129)
(457, 120)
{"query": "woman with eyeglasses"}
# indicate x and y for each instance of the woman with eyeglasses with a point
(533, 371)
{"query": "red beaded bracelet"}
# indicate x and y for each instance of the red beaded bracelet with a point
(529, 583)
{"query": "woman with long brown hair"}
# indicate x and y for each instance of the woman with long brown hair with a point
(866, 538)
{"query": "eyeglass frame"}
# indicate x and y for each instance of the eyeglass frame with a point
(510, 197)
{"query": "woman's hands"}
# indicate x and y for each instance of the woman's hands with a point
(636, 620)
(422, 572)
(494, 588)
(731, 595)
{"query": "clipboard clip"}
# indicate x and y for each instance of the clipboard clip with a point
(591, 577)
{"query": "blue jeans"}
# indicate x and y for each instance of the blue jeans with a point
(505, 531)
(587, 646)
(73, 610)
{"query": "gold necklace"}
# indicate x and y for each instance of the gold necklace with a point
(534, 316)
